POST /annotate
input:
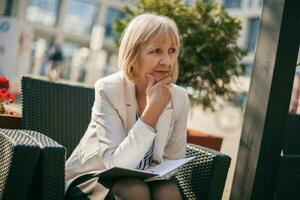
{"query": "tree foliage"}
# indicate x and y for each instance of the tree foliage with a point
(209, 55)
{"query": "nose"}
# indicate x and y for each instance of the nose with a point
(166, 60)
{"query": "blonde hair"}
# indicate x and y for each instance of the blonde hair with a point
(140, 30)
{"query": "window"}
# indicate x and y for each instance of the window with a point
(250, 3)
(43, 12)
(112, 14)
(252, 36)
(248, 69)
(232, 3)
(81, 16)
(39, 50)
(257, 3)
(69, 50)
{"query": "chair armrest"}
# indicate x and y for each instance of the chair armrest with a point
(205, 176)
(49, 182)
(34, 165)
(19, 155)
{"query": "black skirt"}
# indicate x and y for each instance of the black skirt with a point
(75, 193)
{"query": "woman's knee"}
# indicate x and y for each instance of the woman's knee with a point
(165, 190)
(131, 188)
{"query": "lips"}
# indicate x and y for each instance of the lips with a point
(161, 72)
(159, 75)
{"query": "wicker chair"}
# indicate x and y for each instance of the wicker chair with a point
(27, 159)
(19, 156)
(49, 180)
(62, 112)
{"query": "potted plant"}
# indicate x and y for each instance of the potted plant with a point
(7, 119)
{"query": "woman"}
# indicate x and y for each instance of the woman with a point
(138, 119)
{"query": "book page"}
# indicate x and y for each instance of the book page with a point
(168, 166)
(153, 173)
(117, 172)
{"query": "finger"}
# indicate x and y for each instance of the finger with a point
(150, 79)
(165, 81)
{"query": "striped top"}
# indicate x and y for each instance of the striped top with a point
(148, 156)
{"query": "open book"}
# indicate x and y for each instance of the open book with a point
(164, 170)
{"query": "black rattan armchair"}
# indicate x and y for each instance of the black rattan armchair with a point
(19, 156)
(62, 112)
(31, 166)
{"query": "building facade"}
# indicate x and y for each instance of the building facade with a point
(249, 12)
(83, 29)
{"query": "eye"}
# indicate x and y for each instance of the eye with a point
(172, 50)
(156, 51)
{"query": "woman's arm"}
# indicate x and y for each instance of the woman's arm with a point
(118, 148)
(175, 148)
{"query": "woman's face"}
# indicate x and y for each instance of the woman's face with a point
(156, 58)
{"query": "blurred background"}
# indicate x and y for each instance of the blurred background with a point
(77, 36)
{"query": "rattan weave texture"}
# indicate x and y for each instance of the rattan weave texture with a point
(19, 154)
(60, 111)
(63, 112)
(49, 180)
(6, 154)
(205, 176)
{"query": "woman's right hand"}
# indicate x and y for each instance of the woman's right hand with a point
(157, 98)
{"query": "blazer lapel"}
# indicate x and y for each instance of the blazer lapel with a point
(162, 127)
(131, 105)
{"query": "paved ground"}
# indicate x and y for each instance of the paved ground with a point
(229, 129)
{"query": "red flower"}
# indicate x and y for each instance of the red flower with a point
(2, 94)
(6, 96)
(4, 82)
(10, 97)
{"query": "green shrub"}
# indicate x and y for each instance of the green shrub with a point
(209, 55)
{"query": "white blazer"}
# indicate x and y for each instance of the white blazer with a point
(115, 138)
